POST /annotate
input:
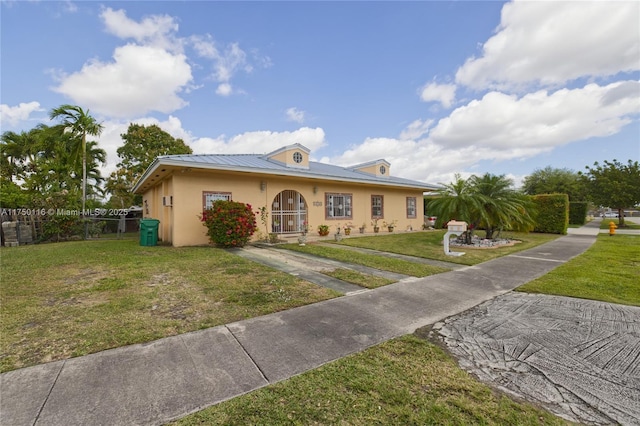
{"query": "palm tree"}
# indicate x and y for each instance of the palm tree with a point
(78, 122)
(458, 201)
(487, 202)
(503, 207)
(19, 152)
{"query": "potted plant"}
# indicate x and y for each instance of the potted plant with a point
(390, 225)
(362, 228)
(323, 230)
(376, 228)
(347, 228)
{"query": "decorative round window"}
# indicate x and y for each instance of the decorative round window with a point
(383, 170)
(297, 157)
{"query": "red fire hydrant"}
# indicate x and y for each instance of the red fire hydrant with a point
(612, 228)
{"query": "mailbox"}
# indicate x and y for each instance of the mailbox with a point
(455, 226)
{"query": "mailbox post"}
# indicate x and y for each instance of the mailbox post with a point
(454, 227)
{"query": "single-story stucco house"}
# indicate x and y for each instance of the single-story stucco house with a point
(296, 192)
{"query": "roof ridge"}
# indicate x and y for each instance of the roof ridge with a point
(207, 155)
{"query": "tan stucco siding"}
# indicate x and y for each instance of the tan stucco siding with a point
(181, 225)
(286, 157)
(153, 208)
(374, 169)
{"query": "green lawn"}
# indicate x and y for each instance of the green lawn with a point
(428, 244)
(629, 223)
(609, 271)
(70, 299)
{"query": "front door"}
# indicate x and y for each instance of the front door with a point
(288, 212)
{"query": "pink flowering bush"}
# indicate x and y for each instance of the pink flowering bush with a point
(229, 223)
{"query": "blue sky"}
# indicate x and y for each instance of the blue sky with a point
(435, 88)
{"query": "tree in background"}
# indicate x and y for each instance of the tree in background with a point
(142, 144)
(79, 123)
(614, 185)
(555, 181)
(47, 160)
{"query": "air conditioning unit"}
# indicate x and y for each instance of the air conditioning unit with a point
(167, 201)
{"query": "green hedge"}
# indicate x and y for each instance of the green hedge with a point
(553, 213)
(578, 212)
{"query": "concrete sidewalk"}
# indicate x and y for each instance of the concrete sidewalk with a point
(153, 383)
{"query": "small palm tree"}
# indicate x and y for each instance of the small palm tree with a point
(488, 202)
(78, 122)
(503, 206)
(457, 200)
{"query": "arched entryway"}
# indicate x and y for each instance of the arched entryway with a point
(288, 212)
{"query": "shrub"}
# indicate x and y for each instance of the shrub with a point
(553, 213)
(229, 223)
(62, 228)
(578, 212)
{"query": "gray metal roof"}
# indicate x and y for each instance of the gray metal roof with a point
(258, 163)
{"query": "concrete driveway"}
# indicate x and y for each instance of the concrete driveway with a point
(578, 358)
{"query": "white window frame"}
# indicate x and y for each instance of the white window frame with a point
(374, 206)
(209, 197)
(412, 207)
(339, 205)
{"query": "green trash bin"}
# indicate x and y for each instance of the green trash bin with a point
(149, 232)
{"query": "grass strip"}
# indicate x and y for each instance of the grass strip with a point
(608, 271)
(370, 260)
(628, 223)
(358, 278)
(405, 381)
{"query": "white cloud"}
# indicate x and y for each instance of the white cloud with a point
(232, 60)
(294, 114)
(520, 127)
(138, 80)
(501, 127)
(13, 115)
(224, 89)
(267, 141)
(550, 43)
(443, 93)
(259, 142)
(204, 45)
(416, 129)
(226, 64)
(155, 30)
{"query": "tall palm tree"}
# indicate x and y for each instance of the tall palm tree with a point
(78, 122)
